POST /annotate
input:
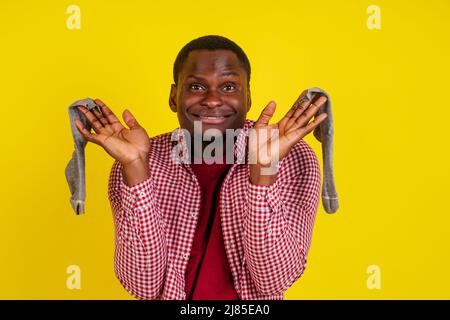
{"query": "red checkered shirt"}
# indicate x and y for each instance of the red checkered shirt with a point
(267, 230)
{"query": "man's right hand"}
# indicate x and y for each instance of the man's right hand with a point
(131, 147)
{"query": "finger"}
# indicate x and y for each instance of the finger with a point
(93, 121)
(297, 112)
(282, 123)
(130, 120)
(297, 102)
(100, 117)
(84, 132)
(308, 113)
(295, 134)
(109, 115)
(314, 124)
(265, 115)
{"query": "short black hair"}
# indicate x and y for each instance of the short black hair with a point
(210, 42)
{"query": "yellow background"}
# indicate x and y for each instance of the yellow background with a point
(389, 92)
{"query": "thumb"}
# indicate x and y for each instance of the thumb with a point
(266, 115)
(130, 120)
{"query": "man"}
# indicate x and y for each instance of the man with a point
(192, 229)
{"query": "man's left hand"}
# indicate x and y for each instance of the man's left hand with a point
(291, 129)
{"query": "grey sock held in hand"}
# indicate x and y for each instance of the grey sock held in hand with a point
(75, 169)
(324, 134)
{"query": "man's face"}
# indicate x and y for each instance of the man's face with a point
(212, 88)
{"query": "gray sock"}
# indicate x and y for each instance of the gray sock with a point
(75, 169)
(324, 134)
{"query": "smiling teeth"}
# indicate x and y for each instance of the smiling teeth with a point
(211, 117)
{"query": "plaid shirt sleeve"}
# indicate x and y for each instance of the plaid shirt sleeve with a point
(279, 221)
(140, 241)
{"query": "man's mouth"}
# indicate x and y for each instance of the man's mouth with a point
(211, 119)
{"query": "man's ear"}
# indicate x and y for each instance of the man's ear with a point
(249, 99)
(173, 97)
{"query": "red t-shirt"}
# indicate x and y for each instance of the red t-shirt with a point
(208, 274)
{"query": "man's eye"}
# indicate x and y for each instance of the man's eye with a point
(195, 87)
(229, 87)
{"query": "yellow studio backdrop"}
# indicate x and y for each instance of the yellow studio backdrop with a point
(386, 69)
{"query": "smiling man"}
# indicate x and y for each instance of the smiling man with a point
(192, 229)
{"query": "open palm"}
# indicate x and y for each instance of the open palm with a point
(288, 131)
(126, 145)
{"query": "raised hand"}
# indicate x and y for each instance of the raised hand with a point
(124, 145)
(291, 129)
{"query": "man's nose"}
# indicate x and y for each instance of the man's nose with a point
(212, 99)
